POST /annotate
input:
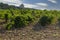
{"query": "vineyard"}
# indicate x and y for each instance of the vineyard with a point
(25, 20)
(16, 18)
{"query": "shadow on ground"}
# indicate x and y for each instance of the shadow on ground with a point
(2, 29)
(38, 27)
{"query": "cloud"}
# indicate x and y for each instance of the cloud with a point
(53, 1)
(26, 5)
(12, 2)
(30, 5)
(35, 6)
(42, 4)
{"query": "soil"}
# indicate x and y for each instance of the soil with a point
(36, 32)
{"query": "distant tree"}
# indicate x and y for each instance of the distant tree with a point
(4, 6)
(22, 6)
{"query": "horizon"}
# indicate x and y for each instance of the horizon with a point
(35, 4)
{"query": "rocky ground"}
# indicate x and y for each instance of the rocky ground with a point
(36, 32)
(31, 33)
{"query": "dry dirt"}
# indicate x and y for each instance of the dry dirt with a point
(32, 33)
(36, 32)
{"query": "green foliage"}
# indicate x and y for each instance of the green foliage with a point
(53, 20)
(6, 17)
(18, 22)
(0, 15)
(23, 16)
(9, 26)
(44, 20)
(29, 19)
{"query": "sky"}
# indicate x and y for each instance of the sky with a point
(36, 4)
